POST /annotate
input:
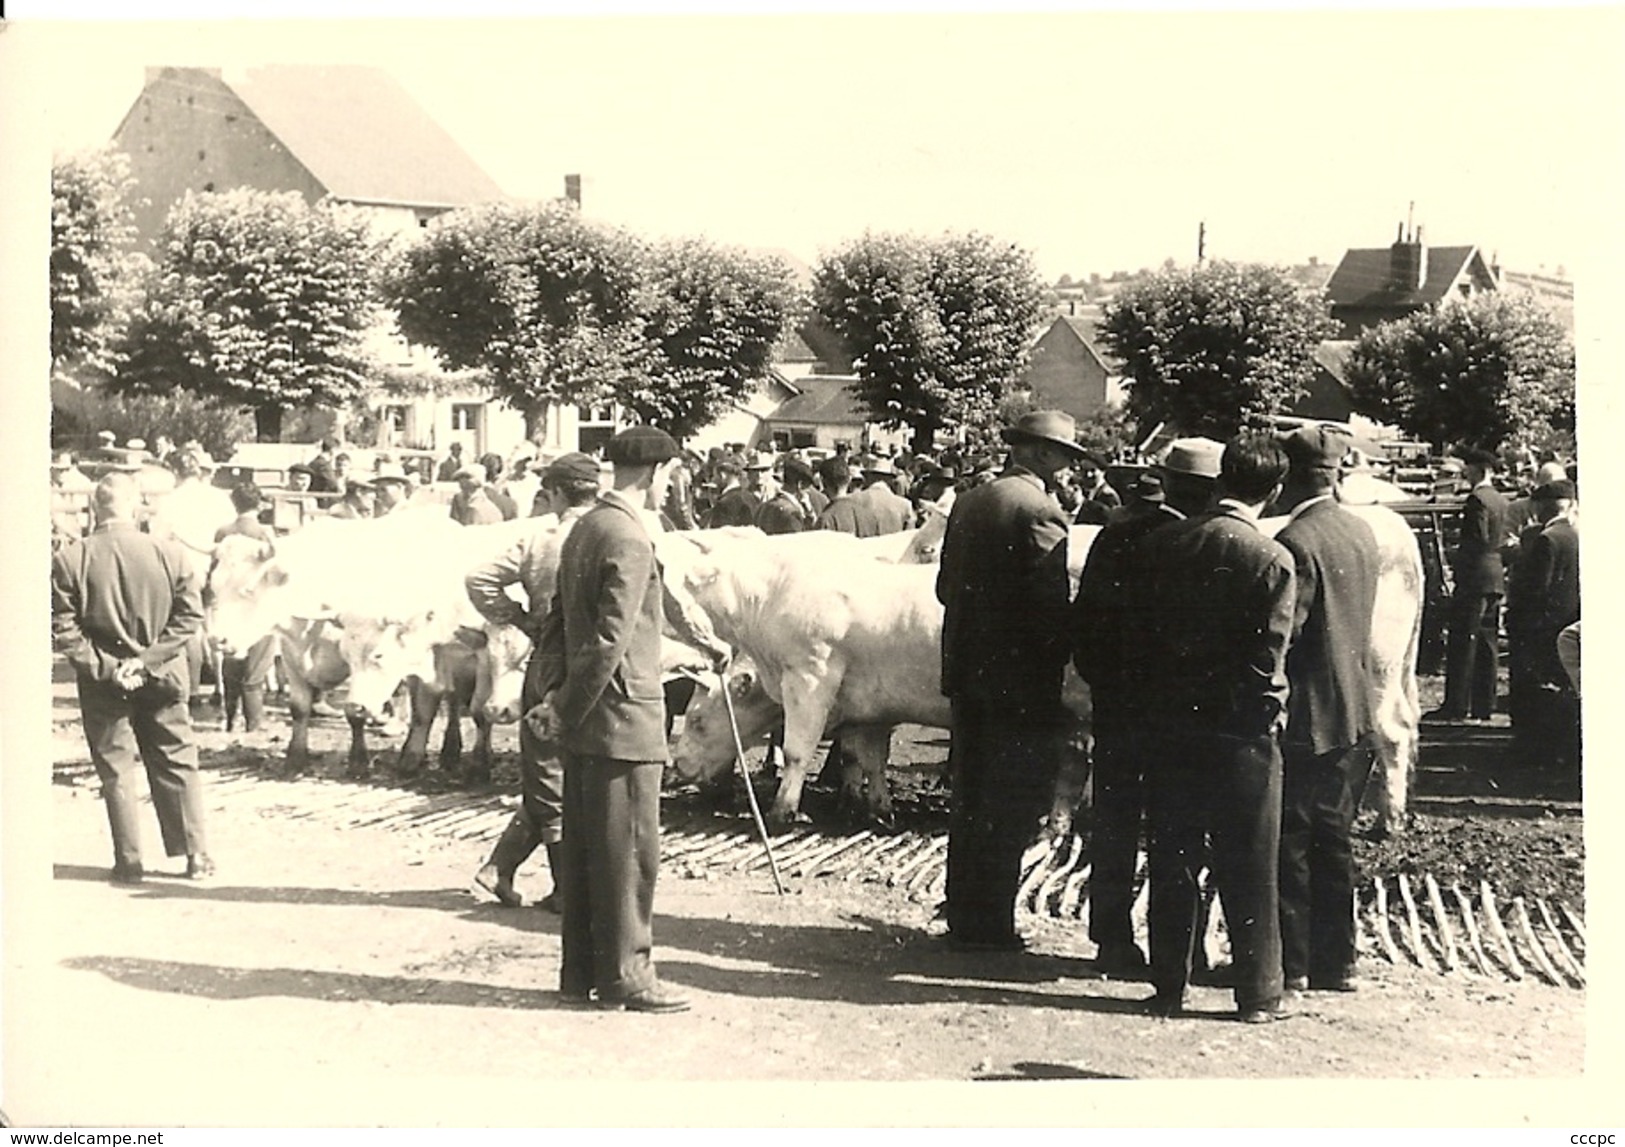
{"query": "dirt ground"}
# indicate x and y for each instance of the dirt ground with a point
(351, 978)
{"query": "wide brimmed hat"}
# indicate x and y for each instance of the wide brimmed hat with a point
(1197, 457)
(758, 461)
(641, 446)
(351, 485)
(1148, 487)
(390, 473)
(875, 464)
(1053, 426)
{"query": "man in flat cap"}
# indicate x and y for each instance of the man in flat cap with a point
(1544, 599)
(1109, 632)
(736, 502)
(1325, 750)
(1472, 652)
(789, 511)
(392, 490)
(1003, 585)
(569, 489)
(359, 501)
(1216, 657)
(472, 504)
(611, 717)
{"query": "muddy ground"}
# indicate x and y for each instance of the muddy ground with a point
(350, 977)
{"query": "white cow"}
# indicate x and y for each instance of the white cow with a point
(326, 592)
(794, 618)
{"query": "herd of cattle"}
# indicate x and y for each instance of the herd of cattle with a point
(834, 636)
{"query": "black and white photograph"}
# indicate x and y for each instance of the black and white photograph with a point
(565, 554)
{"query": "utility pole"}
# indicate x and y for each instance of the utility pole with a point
(1201, 241)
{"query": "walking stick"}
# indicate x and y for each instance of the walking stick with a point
(739, 759)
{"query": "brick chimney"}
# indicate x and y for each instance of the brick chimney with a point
(1408, 261)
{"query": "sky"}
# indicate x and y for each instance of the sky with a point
(1099, 140)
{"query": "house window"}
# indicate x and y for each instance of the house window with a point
(465, 416)
(800, 439)
(395, 418)
(781, 440)
(599, 414)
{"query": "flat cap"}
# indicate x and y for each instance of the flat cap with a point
(1317, 447)
(640, 446)
(796, 468)
(471, 470)
(1198, 457)
(572, 467)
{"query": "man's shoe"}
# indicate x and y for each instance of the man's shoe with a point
(579, 1000)
(199, 867)
(1334, 984)
(127, 874)
(1164, 1007)
(657, 999)
(1297, 983)
(502, 888)
(1265, 1013)
(1122, 958)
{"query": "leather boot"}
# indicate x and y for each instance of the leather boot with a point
(253, 707)
(555, 864)
(512, 849)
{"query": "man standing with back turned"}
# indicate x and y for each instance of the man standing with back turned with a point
(611, 715)
(123, 606)
(1325, 750)
(1223, 596)
(1004, 587)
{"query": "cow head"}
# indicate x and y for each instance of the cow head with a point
(382, 652)
(245, 590)
(705, 749)
(500, 673)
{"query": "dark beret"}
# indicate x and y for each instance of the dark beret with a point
(1317, 447)
(1552, 491)
(300, 468)
(641, 446)
(573, 467)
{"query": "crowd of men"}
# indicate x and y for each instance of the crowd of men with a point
(1232, 706)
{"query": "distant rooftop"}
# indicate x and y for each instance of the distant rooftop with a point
(363, 136)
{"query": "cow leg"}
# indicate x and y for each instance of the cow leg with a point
(480, 774)
(415, 749)
(300, 700)
(807, 704)
(359, 764)
(451, 745)
(863, 773)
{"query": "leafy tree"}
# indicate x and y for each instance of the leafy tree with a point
(259, 299)
(712, 317)
(939, 329)
(545, 302)
(77, 413)
(1493, 370)
(95, 272)
(1216, 347)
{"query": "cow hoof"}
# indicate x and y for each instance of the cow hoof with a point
(884, 823)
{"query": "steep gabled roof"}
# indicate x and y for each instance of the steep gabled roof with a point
(364, 137)
(1365, 278)
(825, 399)
(1333, 355)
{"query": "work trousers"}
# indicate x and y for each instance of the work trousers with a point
(1208, 787)
(1319, 797)
(612, 854)
(1114, 834)
(1472, 654)
(1001, 763)
(126, 735)
(243, 681)
(541, 769)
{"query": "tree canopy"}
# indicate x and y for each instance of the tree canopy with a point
(1214, 348)
(259, 299)
(96, 273)
(712, 317)
(1490, 371)
(545, 302)
(939, 329)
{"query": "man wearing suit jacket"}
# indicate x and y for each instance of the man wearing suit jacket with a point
(1223, 596)
(611, 718)
(1107, 646)
(1004, 590)
(1545, 600)
(1325, 750)
(789, 511)
(1471, 655)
